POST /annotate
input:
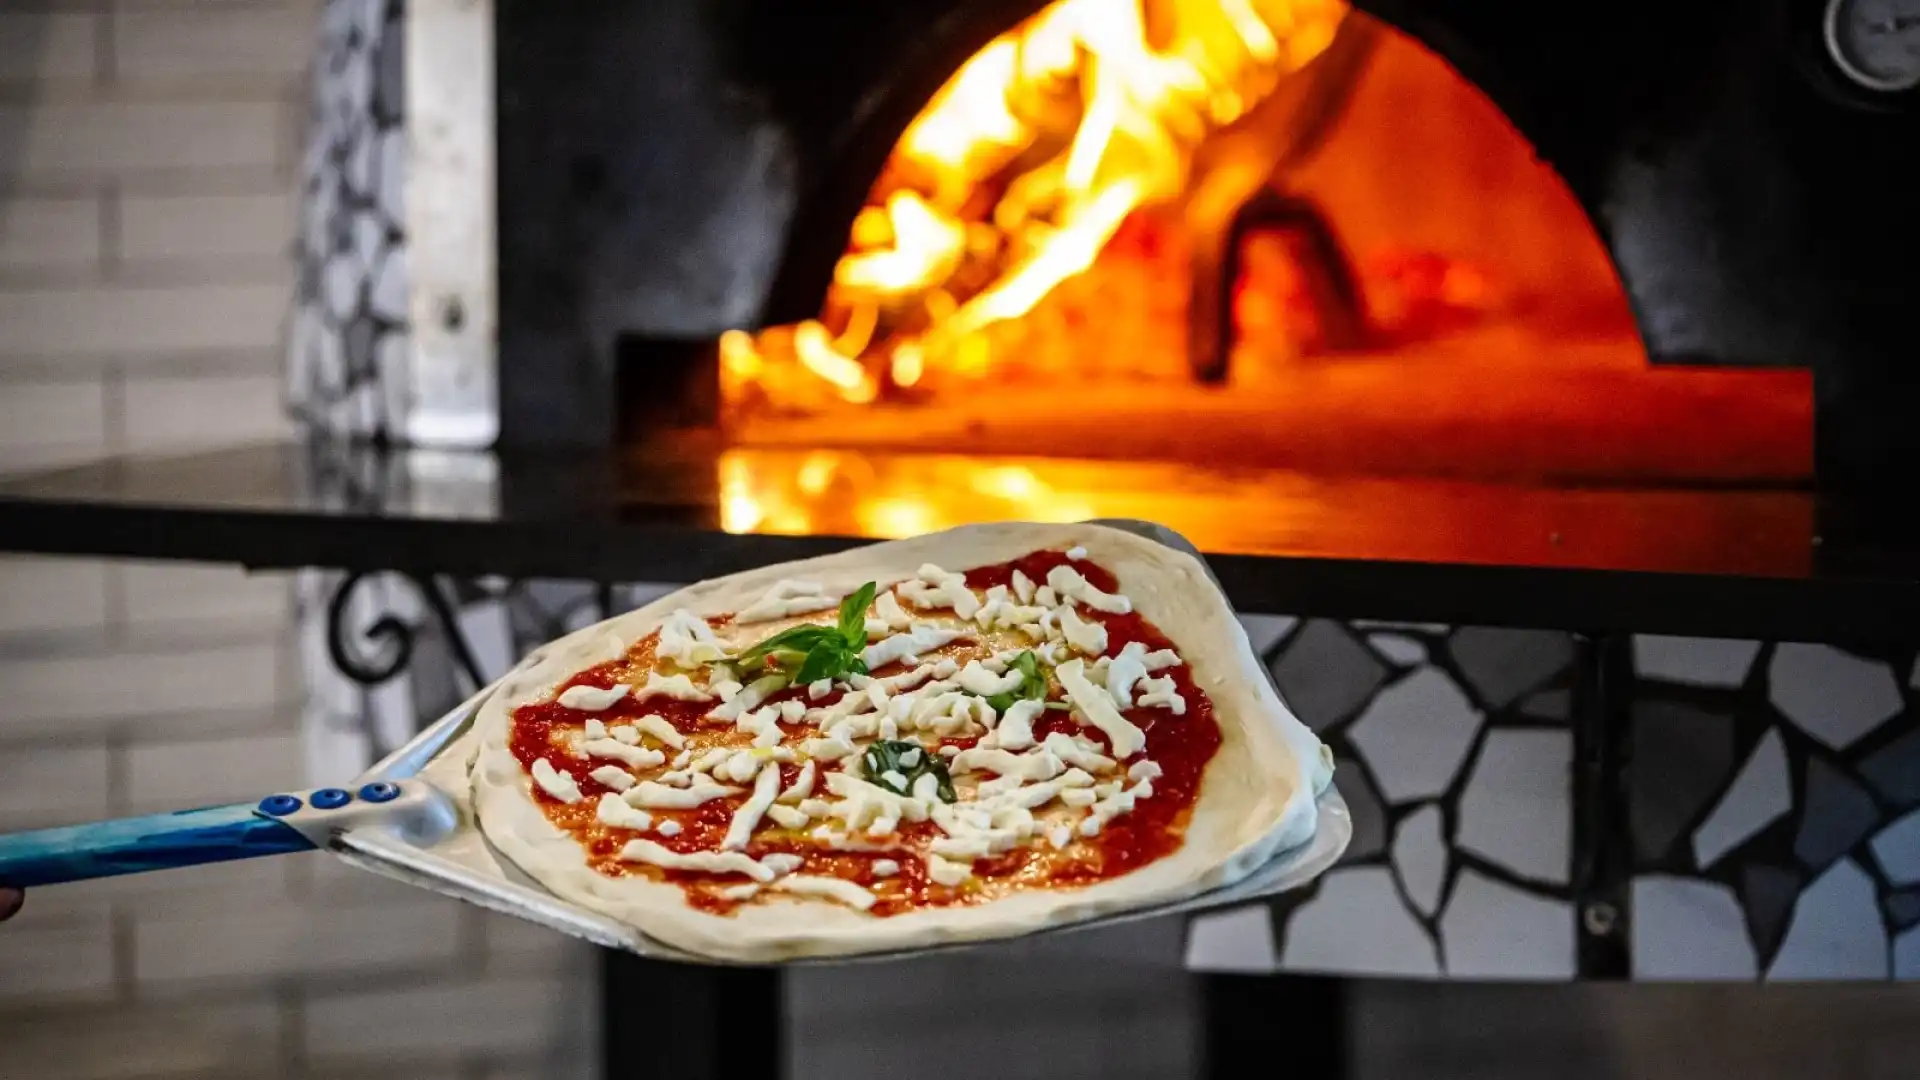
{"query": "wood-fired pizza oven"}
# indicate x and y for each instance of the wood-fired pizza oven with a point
(1201, 235)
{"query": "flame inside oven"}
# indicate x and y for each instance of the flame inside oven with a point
(1224, 238)
(1024, 168)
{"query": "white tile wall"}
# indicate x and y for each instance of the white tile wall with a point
(170, 775)
(45, 784)
(70, 140)
(57, 953)
(476, 1016)
(52, 234)
(203, 226)
(145, 212)
(43, 48)
(159, 596)
(138, 323)
(45, 425)
(174, 415)
(296, 941)
(71, 694)
(40, 594)
(228, 1038)
(258, 38)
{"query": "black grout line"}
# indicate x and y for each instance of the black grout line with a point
(117, 779)
(114, 398)
(106, 58)
(471, 939)
(126, 980)
(293, 1028)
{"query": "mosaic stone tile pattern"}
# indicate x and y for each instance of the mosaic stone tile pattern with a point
(1453, 748)
(348, 346)
(1773, 803)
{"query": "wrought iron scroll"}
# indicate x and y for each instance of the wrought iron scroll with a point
(385, 648)
(382, 649)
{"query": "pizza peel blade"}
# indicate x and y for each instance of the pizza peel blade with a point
(462, 864)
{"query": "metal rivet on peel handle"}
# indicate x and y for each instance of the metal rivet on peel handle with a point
(380, 791)
(280, 805)
(331, 798)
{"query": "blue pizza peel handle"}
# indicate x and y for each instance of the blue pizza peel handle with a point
(276, 825)
(133, 845)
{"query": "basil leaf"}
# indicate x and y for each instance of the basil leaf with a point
(884, 757)
(943, 780)
(797, 639)
(823, 661)
(1033, 685)
(853, 615)
(1029, 665)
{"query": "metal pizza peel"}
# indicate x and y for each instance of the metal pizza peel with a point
(409, 818)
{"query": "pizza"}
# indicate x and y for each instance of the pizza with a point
(972, 734)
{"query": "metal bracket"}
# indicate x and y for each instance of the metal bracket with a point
(419, 812)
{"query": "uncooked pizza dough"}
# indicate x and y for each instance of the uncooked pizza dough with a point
(1018, 732)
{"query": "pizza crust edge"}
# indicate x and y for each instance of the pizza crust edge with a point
(1256, 799)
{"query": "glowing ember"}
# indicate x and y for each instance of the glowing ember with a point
(1015, 178)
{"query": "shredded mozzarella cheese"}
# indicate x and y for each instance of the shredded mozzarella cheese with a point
(1067, 582)
(558, 784)
(829, 888)
(592, 698)
(613, 810)
(703, 862)
(612, 776)
(755, 692)
(687, 640)
(765, 787)
(656, 725)
(652, 796)
(1088, 637)
(785, 599)
(677, 687)
(787, 817)
(909, 645)
(637, 757)
(1095, 704)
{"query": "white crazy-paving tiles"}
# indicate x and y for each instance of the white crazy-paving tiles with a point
(1693, 661)
(1906, 955)
(1420, 858)
(1689, 928)
(1897, 850)
(1356, 925)
(1416, 734)
(1237, 941)
(1759, 795)
(1265, 631)
(1399, 648)
(1832, 695)
(1516, 808)
(1493, 930)
(1835, 932)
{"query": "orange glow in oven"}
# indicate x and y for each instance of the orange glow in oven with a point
(1036, 265)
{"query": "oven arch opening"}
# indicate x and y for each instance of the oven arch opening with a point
(1374, 265)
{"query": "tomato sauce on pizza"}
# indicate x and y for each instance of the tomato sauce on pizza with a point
(949, 739)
